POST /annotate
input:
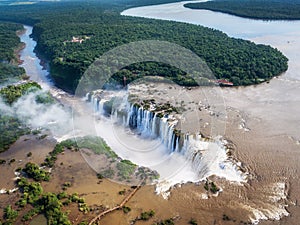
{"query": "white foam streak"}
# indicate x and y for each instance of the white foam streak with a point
(274, 205)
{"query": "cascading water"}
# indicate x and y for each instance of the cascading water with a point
(181, 153)
(148, 124)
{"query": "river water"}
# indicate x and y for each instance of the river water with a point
(31, 63)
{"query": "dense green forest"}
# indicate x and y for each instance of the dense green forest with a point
(9, 40)
(9, 43)
(239, 61)
(256, 9)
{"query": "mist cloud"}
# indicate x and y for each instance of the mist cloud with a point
(53, 117)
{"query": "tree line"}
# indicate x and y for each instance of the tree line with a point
(55, 24)
(9, 44)
(255, 9)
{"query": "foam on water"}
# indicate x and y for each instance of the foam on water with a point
(272, 206)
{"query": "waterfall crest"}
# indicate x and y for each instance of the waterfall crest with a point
(152, 121)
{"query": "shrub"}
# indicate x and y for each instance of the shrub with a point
(31, 213)
(165, 222)
(147, 215)
(122, 192)
(214, 189)
(62, 195)
(12, 161)
(100, 176)
(67, 184)
(9, 214)
(193, 222)
(74, 197)
(126, 209)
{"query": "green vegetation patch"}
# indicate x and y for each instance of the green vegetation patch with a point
(12, 93)
(108, 173)
(10, 130)
(49, 204)
(44, 98)
(256, 9)
(126, 169)
(97, 144)
(211, 186)
(10, 72)
(9, 40)
(31, 192)
(33, 171)
(10, 214)
(30, 214)
(193, 221)
(126, 209)
(169, 221)
(59, 148)
(147, 215)
(9, 44)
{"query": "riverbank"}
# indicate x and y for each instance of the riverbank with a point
(17, 53)
(9, 56)
(19, 48)
(270, 10)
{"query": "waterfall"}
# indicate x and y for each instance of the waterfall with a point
(145, 122)
(151, 124)
(205, 157)
(148, 124)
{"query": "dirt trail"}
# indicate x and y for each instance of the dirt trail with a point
(120, 206)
